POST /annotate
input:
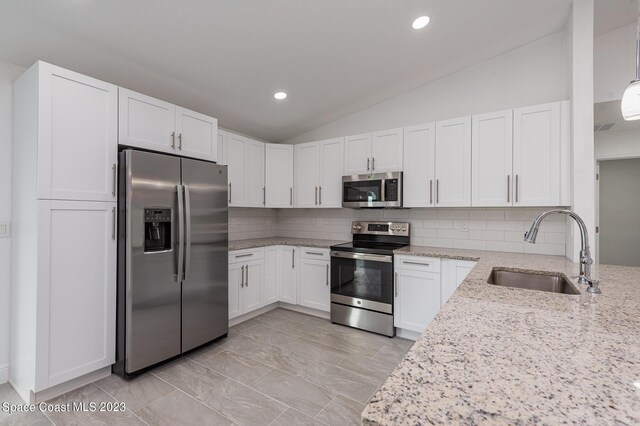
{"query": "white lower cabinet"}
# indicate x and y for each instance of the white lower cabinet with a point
(246, 281)
(422, 286)
(270, 284)
(289, 263)
(315, 286)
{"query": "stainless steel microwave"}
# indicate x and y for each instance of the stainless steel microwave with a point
(374, 190)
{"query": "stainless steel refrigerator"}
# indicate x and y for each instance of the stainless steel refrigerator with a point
(172, 257)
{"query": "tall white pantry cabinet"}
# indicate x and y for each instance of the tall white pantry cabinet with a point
(64, 238)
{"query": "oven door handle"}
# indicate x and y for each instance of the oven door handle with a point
(362, 256)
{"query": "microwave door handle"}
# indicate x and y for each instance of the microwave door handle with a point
(187, 244)
(383, 195)
(180, 233)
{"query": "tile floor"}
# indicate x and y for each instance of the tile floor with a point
(280, 368)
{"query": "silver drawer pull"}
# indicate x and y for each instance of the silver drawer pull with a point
(408, 262)
(315, 253)
(243, 255)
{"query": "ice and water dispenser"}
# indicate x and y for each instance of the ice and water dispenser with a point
(157, 229)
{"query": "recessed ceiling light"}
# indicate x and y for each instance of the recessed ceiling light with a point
(280, 95)
(421, 22)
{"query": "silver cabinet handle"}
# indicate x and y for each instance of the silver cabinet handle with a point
(113, 219)
(431, 191)
(242, 277)
(367, 163)
(316, 253)
(173, 140)
(320, 197)
(238, 256)
(373, 163)
(246, 280)
(517, 188)
(180, 141)
(408, 262)
(327, 274)
(115, 180)
(396, 282)
(291, 196)
(508, 188)
(293, 259)
(229, 192)
(437, 191)
(187, 244)
(264, 195)
(180, 233)
(316, 195)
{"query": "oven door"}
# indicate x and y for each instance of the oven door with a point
(362, 280)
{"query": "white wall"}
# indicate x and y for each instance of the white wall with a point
(8, 73)
(614, 63)
(614, 145)
(532, 74)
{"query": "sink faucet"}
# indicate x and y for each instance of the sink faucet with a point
(585, 253)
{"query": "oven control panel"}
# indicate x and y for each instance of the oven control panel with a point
(380, 228)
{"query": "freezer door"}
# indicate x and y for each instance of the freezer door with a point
(153, 287)
(205, 302)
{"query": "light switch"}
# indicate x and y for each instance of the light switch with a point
(5, 229)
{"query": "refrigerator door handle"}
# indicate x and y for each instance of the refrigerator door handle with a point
(180, 233)
(187, 244)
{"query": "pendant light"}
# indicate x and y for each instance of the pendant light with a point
(630, 104)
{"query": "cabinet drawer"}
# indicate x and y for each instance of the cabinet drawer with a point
(417, 263)
(314, 253)
(247, 255)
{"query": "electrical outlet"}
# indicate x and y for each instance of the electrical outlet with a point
(464, 226)
(5, 229)
(233, 222)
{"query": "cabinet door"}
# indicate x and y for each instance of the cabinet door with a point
(236, 169)
(417, 299)
(236, 285)
(315, 288)
(307, 170)
(453, 273)
(331, 168)
(288, 279)
(77, 287)
(357, 154)
(386, 151)
(254, 176)
(279, 175)
(270, 285)
(253, 283)
(536, 155)
(197, 135)
(146, 122)
(78, 119)
(419, 165)
(453, 163)
(221, 157)
(492, 158)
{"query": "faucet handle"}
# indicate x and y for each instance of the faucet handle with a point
(586, 260)
(594, 286)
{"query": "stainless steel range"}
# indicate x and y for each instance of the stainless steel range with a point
(362, 276)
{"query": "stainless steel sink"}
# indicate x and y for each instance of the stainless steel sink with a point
(557, 283)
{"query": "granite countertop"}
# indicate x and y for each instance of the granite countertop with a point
(498, 355)
(281, 241)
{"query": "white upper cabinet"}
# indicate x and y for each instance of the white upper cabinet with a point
(197, 135)
(149, 123)
(77, 119)
(386, 151)
(255, 174)
(373, 152)
(307, 172)
(453, 163)
(492, 154)
(331, 166)
(419, 165)
(536, 155)
(236, 159)
(279, 175)
(357, 154)
(221, 157)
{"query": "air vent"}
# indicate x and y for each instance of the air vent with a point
(603, 127)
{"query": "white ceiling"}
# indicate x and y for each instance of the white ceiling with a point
(613, 14)
(226, 58)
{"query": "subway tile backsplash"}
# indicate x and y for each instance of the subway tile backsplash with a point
(247, 223)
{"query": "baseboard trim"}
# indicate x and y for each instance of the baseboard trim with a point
(305, 310)
(272, 306)
(4, 373)
(73, 384)
(407, 334)
(252, 314)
